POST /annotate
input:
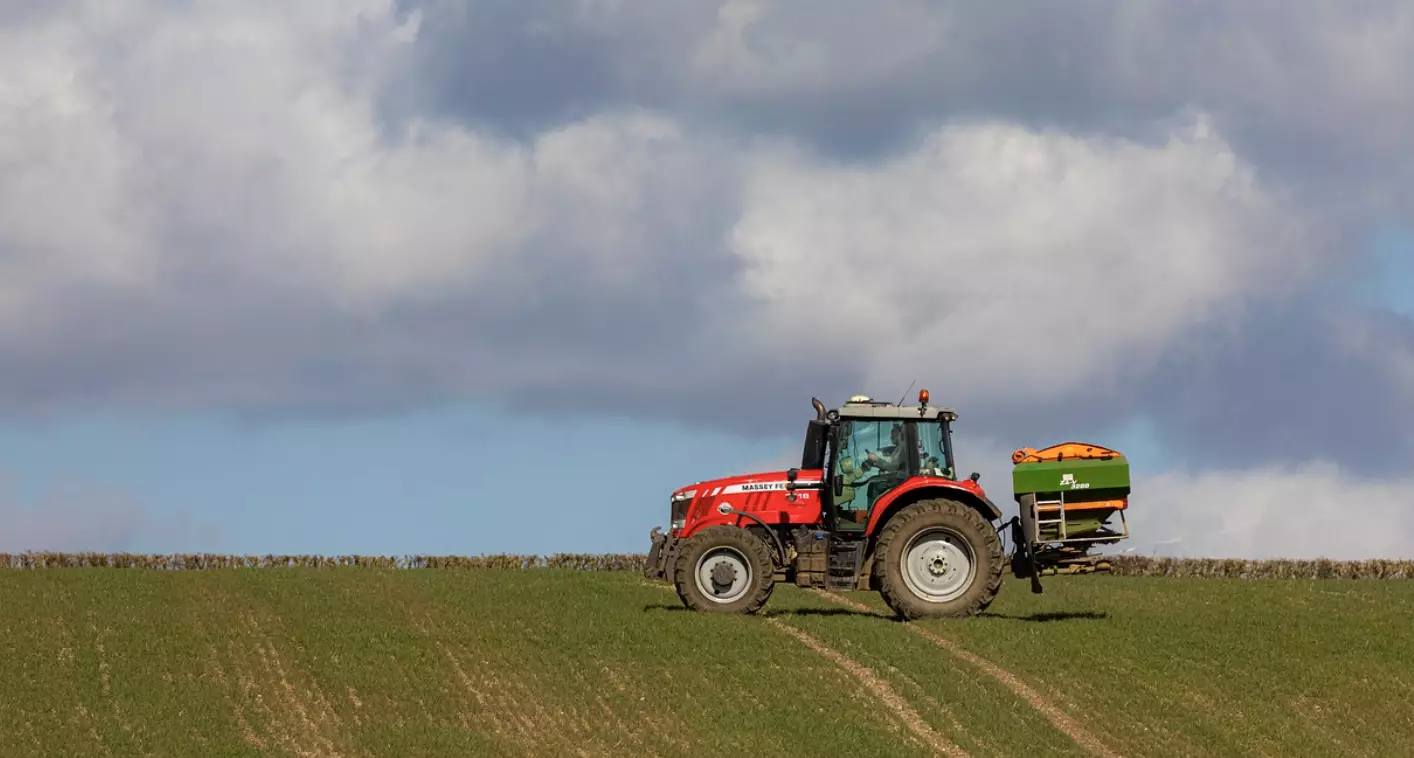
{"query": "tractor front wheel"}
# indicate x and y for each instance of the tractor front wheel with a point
(725, 569)
(938, 558)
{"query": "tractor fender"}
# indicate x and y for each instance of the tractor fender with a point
(967, 493)
(741, 520)
(711, 520)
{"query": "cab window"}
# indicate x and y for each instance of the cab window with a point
(871, 459)
(932, 458)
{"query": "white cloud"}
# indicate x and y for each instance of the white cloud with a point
(139, 146)
(67, 210)
(1336, 71)
(242, 126)
(1010, 261)
(1311, 510)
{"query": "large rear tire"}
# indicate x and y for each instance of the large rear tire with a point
(938, 558)
(725, 569)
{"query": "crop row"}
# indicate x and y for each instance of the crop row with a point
(1220, 568)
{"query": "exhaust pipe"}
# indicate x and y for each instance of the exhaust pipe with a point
(819, 409)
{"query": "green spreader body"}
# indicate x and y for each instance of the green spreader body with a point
(1068, 493)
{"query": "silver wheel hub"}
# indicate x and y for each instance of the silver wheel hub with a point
(938, 565)
(723, 574)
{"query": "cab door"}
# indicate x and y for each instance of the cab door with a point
(871, 458)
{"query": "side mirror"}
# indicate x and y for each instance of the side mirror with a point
(839, 484)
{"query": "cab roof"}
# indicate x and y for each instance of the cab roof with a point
(863, 408)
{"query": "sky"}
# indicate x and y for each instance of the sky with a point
(476, 277)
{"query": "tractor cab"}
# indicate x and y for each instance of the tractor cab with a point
(868, 449)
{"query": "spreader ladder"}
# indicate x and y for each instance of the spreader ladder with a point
(1059, 521)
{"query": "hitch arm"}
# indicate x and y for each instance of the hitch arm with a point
(1018, 536)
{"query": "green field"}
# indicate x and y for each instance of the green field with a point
(387, 662)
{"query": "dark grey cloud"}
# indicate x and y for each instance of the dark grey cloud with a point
(1308, 92)
(521, 68)
(1296, 384)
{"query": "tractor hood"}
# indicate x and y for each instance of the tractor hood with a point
(739, 491)
(766, 480)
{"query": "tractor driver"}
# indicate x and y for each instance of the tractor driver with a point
(895, 459)
(852, 503)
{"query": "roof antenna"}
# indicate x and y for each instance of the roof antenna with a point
(905, 392)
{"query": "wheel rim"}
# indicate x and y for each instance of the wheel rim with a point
(938, 565)
(723, 574)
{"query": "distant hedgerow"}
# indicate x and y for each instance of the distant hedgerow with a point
(1216, 568)
(1237, 568)
(207, 561)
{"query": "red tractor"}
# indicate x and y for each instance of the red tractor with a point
(875, 505)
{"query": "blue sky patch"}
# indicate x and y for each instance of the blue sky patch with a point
(1390, 284)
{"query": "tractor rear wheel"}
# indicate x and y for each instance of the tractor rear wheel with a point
(938, 558)
(725, 569)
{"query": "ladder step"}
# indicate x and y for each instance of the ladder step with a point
(842, 564)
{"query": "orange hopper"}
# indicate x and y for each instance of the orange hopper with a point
(1063, 451)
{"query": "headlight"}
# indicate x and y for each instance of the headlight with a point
(678, 509)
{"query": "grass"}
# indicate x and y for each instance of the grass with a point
(389, 662)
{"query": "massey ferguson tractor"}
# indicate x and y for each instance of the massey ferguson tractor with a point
(876, 504)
